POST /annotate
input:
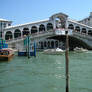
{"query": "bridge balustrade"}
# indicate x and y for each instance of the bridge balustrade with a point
(38, 34)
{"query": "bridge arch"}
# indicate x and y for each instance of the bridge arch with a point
(25, 31)
(52, 44)
(34, 29)
(90, 32)
(8, 35)
(56, 43)
(60, 22)
(77, 28)
(42, 44)
(48, 44)
(41, 28)
(70, 26)
(45, 44)
(49, 26)
(17, 33)
(84, 30)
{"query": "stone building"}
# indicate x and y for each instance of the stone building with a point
(3, 24)
(88, 20)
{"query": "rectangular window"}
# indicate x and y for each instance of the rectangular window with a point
(9, 24)
(4, 25)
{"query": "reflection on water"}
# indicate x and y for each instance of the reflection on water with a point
(46, 73)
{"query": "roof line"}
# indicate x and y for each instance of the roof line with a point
(27, 23)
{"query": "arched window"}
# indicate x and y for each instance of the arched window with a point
(42, 45)
(77, 28)
(56, 43)
(33, 29)
(17, 33)
(70, 26)
(41, 28)
(45, 44)
(25, 31)
(90, 32)
(48, 44)
(83, 30)
(49, 26)
(8, 35)
(52, 44)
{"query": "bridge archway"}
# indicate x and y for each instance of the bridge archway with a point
(77, 28)
(33, 29)
(42, 45)
(83, 30)
(48, 44)
(17, 33)
(52, 44)
(41, 28)
(71, 26)
(49, 26)
(25, 31)
(8, 35)
(56, 43)
(90, 32)
(60, 22)
(45, 44)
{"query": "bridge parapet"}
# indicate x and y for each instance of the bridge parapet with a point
(61, 31)
(81, 35)
(87, 39)
(33, 36)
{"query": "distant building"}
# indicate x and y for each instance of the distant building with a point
(87, 21)
(3, 24)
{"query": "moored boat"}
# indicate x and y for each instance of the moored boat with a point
(56, 51)
(77, 49)
(6, 54)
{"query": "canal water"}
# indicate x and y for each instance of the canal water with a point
(46, 73)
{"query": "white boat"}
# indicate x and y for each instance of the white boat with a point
(77, 49)
(56, 51)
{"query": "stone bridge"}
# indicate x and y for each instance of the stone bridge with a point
(56, 25)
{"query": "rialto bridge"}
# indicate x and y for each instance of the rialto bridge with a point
(50, 33)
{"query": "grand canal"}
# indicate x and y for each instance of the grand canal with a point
(46, 73)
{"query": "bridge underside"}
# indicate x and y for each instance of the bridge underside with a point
(73, 42)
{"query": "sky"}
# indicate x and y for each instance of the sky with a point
(24, 11)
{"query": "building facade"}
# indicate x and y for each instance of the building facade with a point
(4, 24)
(88, 20)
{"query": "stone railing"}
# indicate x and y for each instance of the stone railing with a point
(32, 36)
(82, 35)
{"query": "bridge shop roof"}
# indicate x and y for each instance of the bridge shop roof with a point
(4, 20)
(30, 23)
(76, 22)
(46, 20)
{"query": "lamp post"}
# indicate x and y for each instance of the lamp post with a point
(67, 62)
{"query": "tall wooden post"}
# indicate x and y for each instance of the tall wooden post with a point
(67, 62)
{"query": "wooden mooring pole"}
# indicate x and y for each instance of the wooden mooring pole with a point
(67, 62)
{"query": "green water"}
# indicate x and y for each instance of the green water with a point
(46, 73)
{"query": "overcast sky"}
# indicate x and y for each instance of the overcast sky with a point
(23, 11)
